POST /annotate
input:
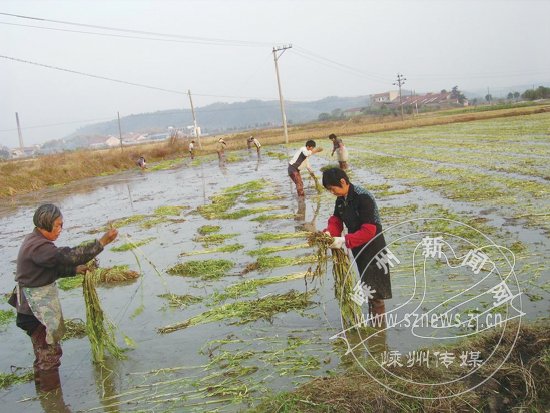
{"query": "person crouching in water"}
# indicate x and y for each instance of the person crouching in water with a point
(39, 264)
(356, 208)
(141, 162)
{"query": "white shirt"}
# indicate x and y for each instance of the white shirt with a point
(300, 159)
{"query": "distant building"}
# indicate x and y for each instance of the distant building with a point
(386, 97)
(444, 98)
(24, 152)
(350, 113)
(112, 142)
(391, 99)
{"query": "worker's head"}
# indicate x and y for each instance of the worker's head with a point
(332, 136)
(49, 221)
(336, 181)
(310, 144)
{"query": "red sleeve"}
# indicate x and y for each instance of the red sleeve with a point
(335, 226)
(361, 236)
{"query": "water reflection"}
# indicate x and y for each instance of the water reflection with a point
(366, 343)
(104, 376)
(53, 402)
(130, 197)
(300, 215)
(223, 166)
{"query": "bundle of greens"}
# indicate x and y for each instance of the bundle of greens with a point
(343, 282)
(100, 331)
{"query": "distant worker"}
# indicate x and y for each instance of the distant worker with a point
(300, 161)
(192, 149)
(220, 148)
(141, 162)
(252, 140)
(341, 151)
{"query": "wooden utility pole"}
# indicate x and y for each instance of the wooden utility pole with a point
(400, 81)
(281, 100)
(195, 128)
(119, 131)
(21, 146)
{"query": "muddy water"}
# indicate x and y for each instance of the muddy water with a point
(138, 311)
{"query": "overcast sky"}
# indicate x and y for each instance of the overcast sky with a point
(222, 51)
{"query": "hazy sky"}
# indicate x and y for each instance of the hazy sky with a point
(222, 51)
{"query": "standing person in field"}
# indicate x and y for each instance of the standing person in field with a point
(220, 148)
(356, 208)
(253, 141)
(340, 149)
(192, 149)
(300, 161)
(39, 264)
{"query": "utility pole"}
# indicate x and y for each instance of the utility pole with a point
(119, 132)
(195, 128)
(400, 82)
(21, 146)
(276, 57)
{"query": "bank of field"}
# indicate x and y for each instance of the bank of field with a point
(27, 175)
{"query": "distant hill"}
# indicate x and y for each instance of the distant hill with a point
(222, 117)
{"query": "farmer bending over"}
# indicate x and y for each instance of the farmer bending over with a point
(39, 264)
(356, 208)
(300, 161)
(340, 149)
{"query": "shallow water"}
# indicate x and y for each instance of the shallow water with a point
(138, 311)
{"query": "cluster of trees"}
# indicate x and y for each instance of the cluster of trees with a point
(4, 152)
(539, 93)
(456, 94)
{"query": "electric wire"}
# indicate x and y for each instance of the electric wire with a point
(196, 38)
(197, 41)
(124, 81)
(332, 63)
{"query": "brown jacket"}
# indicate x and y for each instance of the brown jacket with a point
(40, 262)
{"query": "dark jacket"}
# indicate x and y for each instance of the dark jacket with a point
(359, 212)
(40, 263)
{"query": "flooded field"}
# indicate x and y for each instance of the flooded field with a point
(220, 335)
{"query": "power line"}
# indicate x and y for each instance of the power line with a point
(311, 55)
(123, 81)
(195, 38)
(208, 42)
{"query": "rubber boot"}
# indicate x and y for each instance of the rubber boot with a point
(378, 312)
(49, 380)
